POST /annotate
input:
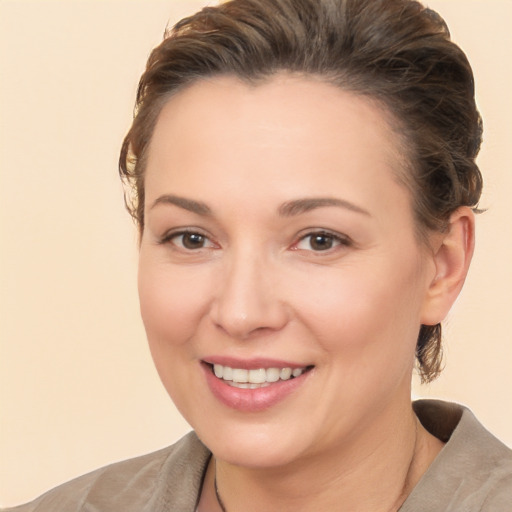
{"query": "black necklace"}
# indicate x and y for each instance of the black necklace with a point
(217, 495)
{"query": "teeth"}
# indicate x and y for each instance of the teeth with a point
(257, 376)
(251, 379)
(285, 373)
(247, 385)
(297, 371)
(227, 373)
(240, 375)
(272, 374)
(218, 370)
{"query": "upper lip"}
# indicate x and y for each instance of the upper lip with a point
(252, 363)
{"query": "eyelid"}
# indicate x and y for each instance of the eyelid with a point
(341, 239)
(168, 236)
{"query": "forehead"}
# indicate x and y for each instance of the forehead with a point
(286, 130)
(289, 96)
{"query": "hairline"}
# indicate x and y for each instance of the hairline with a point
(402, 152)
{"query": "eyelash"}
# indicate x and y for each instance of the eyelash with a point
(170, 237)
(336, 240)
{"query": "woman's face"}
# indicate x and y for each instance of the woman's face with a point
(279, 241)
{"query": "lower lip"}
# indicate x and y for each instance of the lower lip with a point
(252, 400)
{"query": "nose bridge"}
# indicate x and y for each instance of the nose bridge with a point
(248, 296)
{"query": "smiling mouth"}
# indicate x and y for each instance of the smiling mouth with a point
(255, 378)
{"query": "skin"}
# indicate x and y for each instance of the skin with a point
(255, 286)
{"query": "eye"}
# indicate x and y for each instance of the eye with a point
(321, 241)
(189, 240)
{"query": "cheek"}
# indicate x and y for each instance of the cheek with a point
(364, 312)
(171, 302)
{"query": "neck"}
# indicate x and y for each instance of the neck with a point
(375, 473)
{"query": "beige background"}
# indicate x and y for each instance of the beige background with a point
(77, 386)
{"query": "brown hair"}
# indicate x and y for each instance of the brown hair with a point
(394, 51)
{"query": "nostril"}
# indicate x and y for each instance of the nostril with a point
(246, 303)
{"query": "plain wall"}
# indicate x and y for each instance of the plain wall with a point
(77, 385)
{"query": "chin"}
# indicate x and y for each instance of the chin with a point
(254, 446)
(255, 455)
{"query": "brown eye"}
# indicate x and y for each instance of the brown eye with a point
(189, 240)
(321, 242)
(192, 240)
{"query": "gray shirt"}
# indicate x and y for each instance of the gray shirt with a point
(472, 473)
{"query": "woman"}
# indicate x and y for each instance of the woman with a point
(304, 179)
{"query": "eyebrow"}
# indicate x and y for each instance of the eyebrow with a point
(298, 206)
(288, 209)
(187, 204)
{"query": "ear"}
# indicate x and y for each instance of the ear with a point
(452, 255)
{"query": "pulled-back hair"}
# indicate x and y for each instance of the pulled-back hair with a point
(396, 52)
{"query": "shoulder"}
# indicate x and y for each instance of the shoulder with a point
(157, 481)
(472, 473)
(499, 497)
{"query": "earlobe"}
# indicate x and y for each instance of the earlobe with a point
(452, 258)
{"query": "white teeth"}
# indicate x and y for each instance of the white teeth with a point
(247, 385)
(240, 375)
(217, 369)
(285, 373)
(272, 374)
(257, 376)
(227, 373)
(251, 379)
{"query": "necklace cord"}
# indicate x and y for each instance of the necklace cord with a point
(217, 495)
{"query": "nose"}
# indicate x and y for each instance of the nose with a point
(248, 302)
